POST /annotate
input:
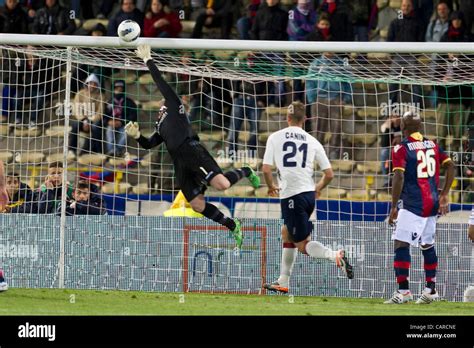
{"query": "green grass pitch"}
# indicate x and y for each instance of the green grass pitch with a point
(94, 302)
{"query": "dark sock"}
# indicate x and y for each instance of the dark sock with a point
(212, 212)
(430, 265)
(235, 175)
(401, 264)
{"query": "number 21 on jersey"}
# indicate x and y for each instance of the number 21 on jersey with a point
(426, 163)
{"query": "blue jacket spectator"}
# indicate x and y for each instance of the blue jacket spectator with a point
(87, 201)
(20, 194)
(128, 11)
(301, 21)
(53, 19)
(328, 70)
(438, 26)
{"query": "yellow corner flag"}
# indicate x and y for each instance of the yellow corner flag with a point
(181, 207)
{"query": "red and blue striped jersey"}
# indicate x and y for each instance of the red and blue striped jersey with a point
(421, 160)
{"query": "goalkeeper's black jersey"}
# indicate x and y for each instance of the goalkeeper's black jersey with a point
(173, 128)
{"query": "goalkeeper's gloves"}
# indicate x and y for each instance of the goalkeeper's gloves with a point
(132, 130)
(143, 52)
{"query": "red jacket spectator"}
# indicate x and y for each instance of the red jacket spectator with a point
(160, 21)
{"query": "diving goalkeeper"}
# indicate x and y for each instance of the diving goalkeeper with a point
(195, 168)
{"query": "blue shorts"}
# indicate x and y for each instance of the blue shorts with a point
(296, 211)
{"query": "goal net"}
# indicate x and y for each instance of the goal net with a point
(64, 105)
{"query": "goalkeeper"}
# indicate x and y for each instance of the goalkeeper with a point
(195, 168)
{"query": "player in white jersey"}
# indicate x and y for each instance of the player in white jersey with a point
(294, 151)
(470, 231)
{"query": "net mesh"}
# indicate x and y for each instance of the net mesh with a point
(235, 100)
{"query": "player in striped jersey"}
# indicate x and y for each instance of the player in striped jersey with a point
(417, 162)
(294, 151)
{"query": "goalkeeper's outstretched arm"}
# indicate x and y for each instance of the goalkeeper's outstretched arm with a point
(132, 129)
(143, 52)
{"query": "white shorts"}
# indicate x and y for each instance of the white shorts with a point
(471, 217)
(414, 229)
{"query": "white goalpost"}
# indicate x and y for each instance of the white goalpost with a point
(65, 100)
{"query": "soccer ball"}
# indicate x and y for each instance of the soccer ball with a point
(128, 30)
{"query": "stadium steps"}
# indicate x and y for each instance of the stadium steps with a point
(333, 193)
(27, 132)
(56, 131)
(141, 189)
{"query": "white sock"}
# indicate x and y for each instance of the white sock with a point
(288, 258)
(319, 251)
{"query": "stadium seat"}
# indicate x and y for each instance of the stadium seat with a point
(257, 210)
(348, 111)
(369, 167)
(145, 79)
(244, 136)
(263, 137)
(222, 54)
(429, 114)
(4, 129)
(147, 208)
(109, 188)
(27, 132)
(384, 33)
(117, 161)
(273, 110)
(239, 191)
(211, 136)
(56, 131)
(141, 189)
(6, 156)
(92, 159)
(368, 112)
(384, 197)
(29, 157)
(333, 193)
(224, 163)
(127, 76)
(253, 163)
(395, 4)
(360, 195)
(153, 105)
(363, 139)
(188, 26)
(342, 165)
(58, 157)
(89, 24)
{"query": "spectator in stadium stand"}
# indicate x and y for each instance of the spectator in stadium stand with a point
(339, 16)
(127, 11)
(87, 110)
(83, 9)
(13, 19)
(390, 135)
(423, 11)
(98, 30)
(35, 78)
(119, 110)
(218, 13)
(467, 8)
(161, 21)
(321, 31)
(439, 25)
(457, 30)
(360, 14)
(20, 194)
(327, 99)
(271, 23)
(105, 8)
(244, 24)
(301, 21)
(50, 193)
(52, 19)
(86, 200)
(247, 105)
(405, 28)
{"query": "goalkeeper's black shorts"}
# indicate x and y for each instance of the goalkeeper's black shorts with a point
(194, 168)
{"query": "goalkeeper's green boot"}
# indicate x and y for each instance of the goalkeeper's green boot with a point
(253, 178)
(237, 233)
